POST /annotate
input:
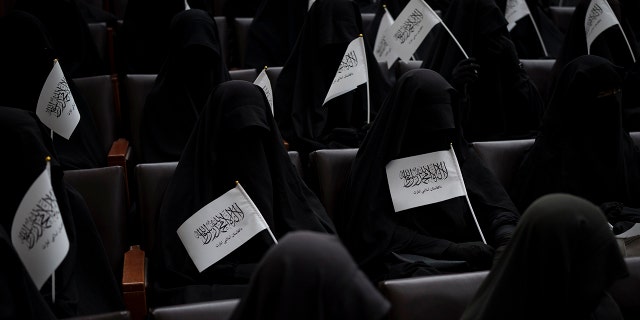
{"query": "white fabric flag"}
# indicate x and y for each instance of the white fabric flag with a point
(514, 11)
(56, 107)
(263, 82)
(411, 27)
(424, 179)
(220, 227)
(599, 17)
(310, 4)
(352, 71)
(37, 231)
(381, 48)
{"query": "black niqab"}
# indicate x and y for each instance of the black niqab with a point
(235, 139)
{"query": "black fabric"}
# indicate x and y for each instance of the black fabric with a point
(561, 260)
(273, 32)
(307, 125)
(27, 46)
(85, 283)
(194, 67)
(310, 275)
(503, 102)
(418, 117)
(69, 33)
(524, 35)
(235, 139)
(582, 148)
(611, 45)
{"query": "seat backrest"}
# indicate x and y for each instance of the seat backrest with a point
(97, 92)
(332, 168)
(98, 32)
(367, 18)
(439, 297)
(244, 74)
(213, 310)
(136, 89)
(223, 35)
(242, 30)
(503, 157)
(562, 16)
(404, 66)
(104, 191)
(117, 315)
(635, 136)
(539, 70)
(626, 291)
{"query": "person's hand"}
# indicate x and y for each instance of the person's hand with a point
(477, 254)
(466, 71)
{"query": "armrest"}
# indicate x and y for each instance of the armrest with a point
(133, 283)
(118, 156)
(286, 145)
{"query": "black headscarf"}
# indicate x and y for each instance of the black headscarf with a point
(310, 275)
(273, 32)
(561, 260)
(582, 148)
(235, 139)
(418, 117)
(610, 44)
(29, 54)
(329, 27)
(194, 67)
(85, 283)
(524, 35)
(503, 102)
(69, 33)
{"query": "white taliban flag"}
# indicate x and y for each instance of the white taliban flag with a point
(514, 11)
(352, 71)
(56, 107)
(410, 28)
(599, 18)
(381, 48)
(263, 82)
(221, 227)
(37, 231)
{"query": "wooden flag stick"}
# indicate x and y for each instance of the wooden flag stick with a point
(544, 48)
(366, 69)
(449, 31)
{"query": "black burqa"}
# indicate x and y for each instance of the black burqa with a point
(193, 68)
(235, 139)
(307, 125)
(559, 264)
(85, 283)
(273, 32)
(69, 33)
(310, 275)
(526, 38)
(29, 55)
(418, 117)
(503, 103)
(582, 148)
(610, 44)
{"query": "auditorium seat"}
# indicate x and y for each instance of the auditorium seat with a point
(367, 18)
(99, 34)
(539, 70)
(503, 157)
(214, 310)
(562, 16)
(273, 73)
(117, 315)
(242, 30)
(444, 297)
(332, 168)
(403, 66)
(244, 74)
(136, 88)
(223, 35)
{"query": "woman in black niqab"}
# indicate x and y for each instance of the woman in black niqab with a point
(559, 264)
(503, 103)
(193, 68)
(235, 139)
(85, 283)
(419, 116)
(582, 148)
(307, 125)
(28, 57)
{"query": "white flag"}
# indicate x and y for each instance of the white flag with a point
(37, 231)
(381, 48)
(220, 227)
(514, 11)
(411, 27)
(263, 82)
(599, 17)
(56, 107)
(424, 179)
(352, 71)
(310, 4)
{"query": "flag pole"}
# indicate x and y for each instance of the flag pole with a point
(244, 193)
(53, 275)
(535, 27)
(628, 45)
(366, 69)
(449, 31)
(465, 193)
